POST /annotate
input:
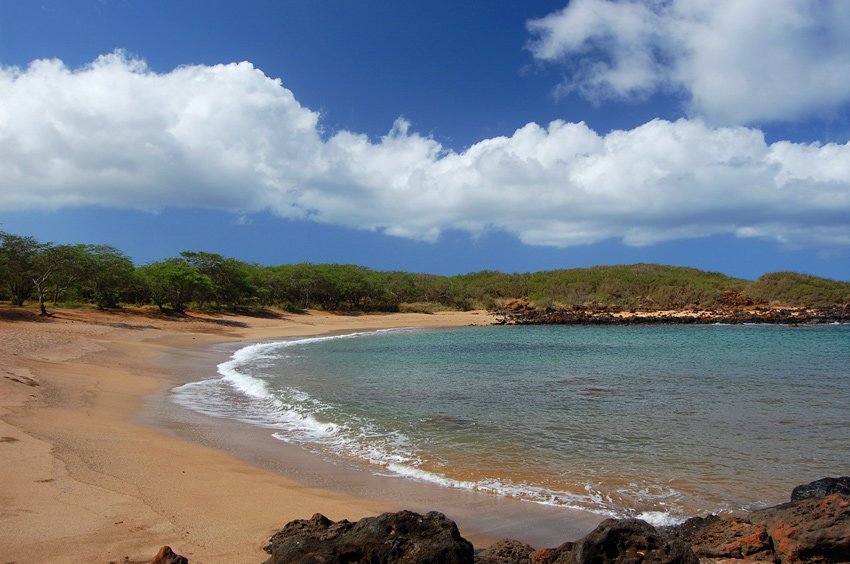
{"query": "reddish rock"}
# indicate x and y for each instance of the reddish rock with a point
(726, 538)
(550, 555)
(810, 529)
(507, 551)
(168, 556)
(621, 541)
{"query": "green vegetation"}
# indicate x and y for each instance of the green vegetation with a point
(792, 288)
(646, 286)
(103, 276)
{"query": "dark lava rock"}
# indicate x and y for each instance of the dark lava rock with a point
(507, 551)
(624, 541)
(168, 556)
(822, 488)
(404, 537)
(717, 537)
(809, 530)
(550, 555)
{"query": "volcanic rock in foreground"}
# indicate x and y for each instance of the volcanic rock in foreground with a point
(822, 488)
(628, 540)
(404, 537)
(506, 551)
(814, 527)
(725, 538)
(615, 541)
(168, 556)
(407, 538)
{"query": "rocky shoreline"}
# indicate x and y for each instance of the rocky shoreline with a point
(814, 527)
(521, 312)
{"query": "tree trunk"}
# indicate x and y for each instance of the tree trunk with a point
(41, 290)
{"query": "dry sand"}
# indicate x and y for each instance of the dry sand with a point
(84, 481)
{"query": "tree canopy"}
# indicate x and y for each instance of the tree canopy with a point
(105, 277)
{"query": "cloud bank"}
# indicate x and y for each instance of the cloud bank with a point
(736, 62)
(116, 134)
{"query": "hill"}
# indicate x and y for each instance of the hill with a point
(104, 276)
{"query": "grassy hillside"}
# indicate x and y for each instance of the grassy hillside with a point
(791, 288)
(645, 286)
(632, 286)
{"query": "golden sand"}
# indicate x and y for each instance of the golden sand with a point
(83, 482)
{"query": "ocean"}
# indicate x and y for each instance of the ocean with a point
(657, 422)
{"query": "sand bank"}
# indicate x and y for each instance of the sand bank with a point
(90, 474)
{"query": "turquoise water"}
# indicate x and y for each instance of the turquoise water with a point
(661, 422)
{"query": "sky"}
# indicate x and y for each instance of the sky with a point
(442, 137)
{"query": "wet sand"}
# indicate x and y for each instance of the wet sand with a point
(482, 518)
(99, 466)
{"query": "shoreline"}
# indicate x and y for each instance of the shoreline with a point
(483, 517)
(521, 312)
(88, 477)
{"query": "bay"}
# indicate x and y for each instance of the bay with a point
(660, 422)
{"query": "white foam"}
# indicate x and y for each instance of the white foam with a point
(393, 456)
(593, 501)
(659, 518)
(291, 412)
(233, 373)
(521, 492)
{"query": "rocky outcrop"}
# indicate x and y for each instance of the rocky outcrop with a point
(407, 538)
(813, 527)
(168, 556)
(725, 538)
(551, 555)
(614, 541)
(822, 488)
(624, 541)
(520, 314)
(507, 551)
(404, 537)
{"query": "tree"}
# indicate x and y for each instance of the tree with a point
(45, 265)
(109, 274)
(302, 283)
(72, 266)
(174, 282)
(18, 266)
(354, 284)
(232, 280)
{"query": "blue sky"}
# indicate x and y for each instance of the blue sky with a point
(442, 137)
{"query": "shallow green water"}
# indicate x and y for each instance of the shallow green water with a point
(659, 421)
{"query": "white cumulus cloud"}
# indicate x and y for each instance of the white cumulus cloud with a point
(114, 133)
(736, 62)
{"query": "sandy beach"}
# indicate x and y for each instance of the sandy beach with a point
(88, 478)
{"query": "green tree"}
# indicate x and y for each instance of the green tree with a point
(174, 282)
(303, 283)
(275, 288)
(109, 275)
(71, 268)
(354, 284)
(49, 265)
(232, 280)
(18, 265)
(338, 285)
